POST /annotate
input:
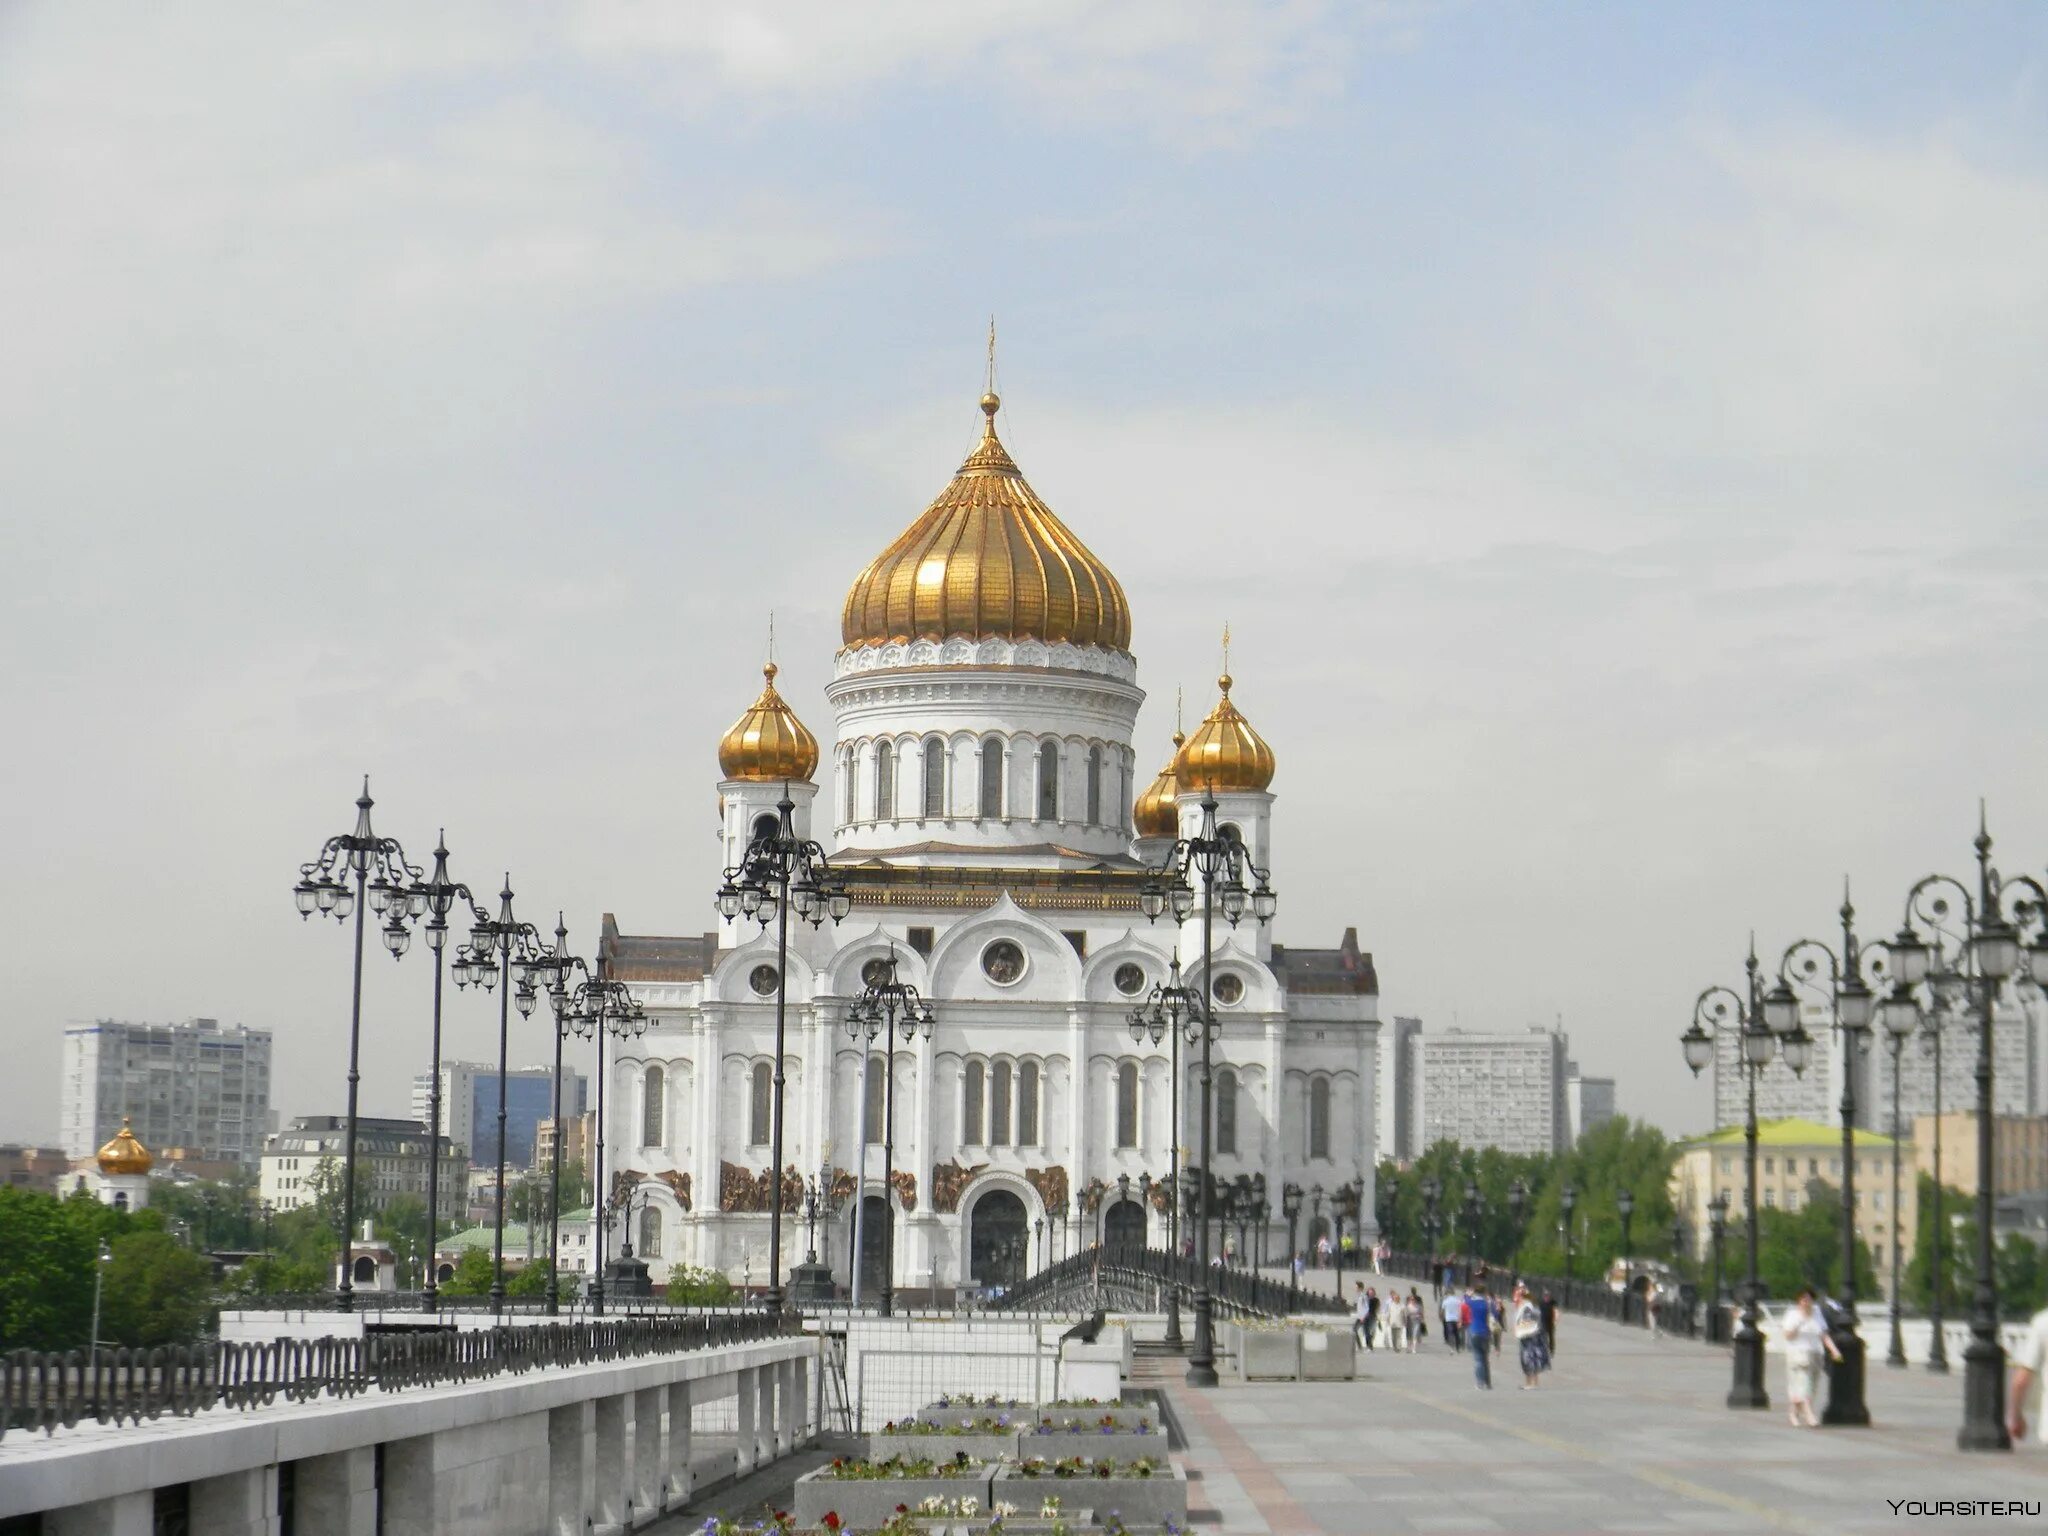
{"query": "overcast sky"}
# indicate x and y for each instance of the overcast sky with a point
(1614, 433)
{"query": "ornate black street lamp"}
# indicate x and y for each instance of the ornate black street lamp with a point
(546, 976)
(1223, 865)
(1901, 1016)
(1625, 1206)
(781, 872)
(1566, 1202)
(1432, 1225)
(1386, 1191)
(1263, 1214)
(438, 894)
(1472, 1213)
(1518, 1205)
(1171, 1012)
(1717, 1232)
(595, 1008)
(1346, 1203)
(383, 882)
(499, 946)
(1716, 1011)
(884, 1007)
(1994, 954)
(1290, 1207)
(1852, 1005)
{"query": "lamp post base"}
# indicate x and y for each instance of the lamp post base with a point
(1747, 1390)
(810, 1283)
(1937, 1347)
(1846, 1406)
(1202, 1363)
(1983, 1398)
(1173, 1339)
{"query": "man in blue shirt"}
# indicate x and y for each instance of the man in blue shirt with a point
(1478, 1336)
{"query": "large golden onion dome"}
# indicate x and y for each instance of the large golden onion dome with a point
(124, 1154)
(987, 558)
(1225, 753)
(768, 743)
(1156, 812)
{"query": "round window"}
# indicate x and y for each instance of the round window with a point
(1129, 978)
(1229, 989)
(1003, 962)
(764, 980)
(876, 972)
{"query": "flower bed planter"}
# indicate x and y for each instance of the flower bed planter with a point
(1328, 1354)
(1088, 1416)
(952, 1410)
(991, 1446)
(868, 1501)
(1140, 1501)
(1268, 1354)
(1091, 1441)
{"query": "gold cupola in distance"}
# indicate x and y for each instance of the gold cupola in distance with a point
(768, 744)
(1225, 753)
(124, 1154)
(987, 559)
(1156, 811)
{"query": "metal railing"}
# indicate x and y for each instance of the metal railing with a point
(126, 1386)
(1685, 1314)
(1137, 1276)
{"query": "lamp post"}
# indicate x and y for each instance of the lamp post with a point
(1625, 1204)
(1518, 1205)
(1994, 954)
(1220, 861)
(1717, 1232)
(884, 1006)
(1852, 1005)
(1315, 1208)
(1290, 1207)
(1264, 1215)
(1472, 1209)
(595, 1007)
(546, 976)
(1386, 1192)
(438, 894)
(1348, 1200)
(1432, 1191)
(267, 1208)
(1715, 1011)
(498, 945)
(1566, 1202)
(1171, 1012)
(383, 882)
(778, 872)
(1899, 1024)
(1039, 1251)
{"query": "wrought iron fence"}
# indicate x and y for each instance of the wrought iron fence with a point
(123, 1386)
(1133, 1271)
(1684, 1313)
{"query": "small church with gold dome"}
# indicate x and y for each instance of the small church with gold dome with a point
(982, 799)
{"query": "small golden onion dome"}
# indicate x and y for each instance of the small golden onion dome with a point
(987, 558)
(124, 1154)
(1155, 813)
(768, 742)
(1225, 753)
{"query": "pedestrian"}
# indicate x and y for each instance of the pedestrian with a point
(1299, 1265)
(1805, 1337)
(1413, 1323)
(1323, 1251)
(1529, 1338)
(1653, 1304)
(1478, 1335)
(1454, 1317)
(1497, 1319)
(1361, 1314)
(2029, 1370)
(1548, 1311)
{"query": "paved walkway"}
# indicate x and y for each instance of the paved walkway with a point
(1627, 1434)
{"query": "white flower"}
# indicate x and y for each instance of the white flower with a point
(968, 1507)
(1049, 1508)
(1005, 1509)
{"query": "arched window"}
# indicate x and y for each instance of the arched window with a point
(935, 777)
(1095, 786)
(1027, 1104)
(885, 781)
(650, 1232)
(873, 1111)
(1319, 1117)
(999, 1106)
(760, 1109)
(653, 1103)
(1127, 1104)
(1049, 781)
(992, 778)
(1226, 1111)
(849, 764)
(970, 1105)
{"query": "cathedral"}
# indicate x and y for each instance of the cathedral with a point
(983, 803)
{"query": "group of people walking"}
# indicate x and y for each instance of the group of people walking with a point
(1473, 1320)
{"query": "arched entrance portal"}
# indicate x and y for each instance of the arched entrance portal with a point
(1124, 1222)
(999, 1244)
(875, 1217)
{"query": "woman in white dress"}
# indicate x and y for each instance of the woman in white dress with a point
(1806, 1336)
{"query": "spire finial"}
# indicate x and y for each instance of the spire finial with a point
(1223, 682)
(991, 354)
(991, 402)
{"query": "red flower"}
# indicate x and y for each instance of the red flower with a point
(902, 1509)
(831, 1519)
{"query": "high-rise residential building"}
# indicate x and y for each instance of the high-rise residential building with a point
(194, 1086)
(1397, 1119)
(2014, 1074)
(1589, 1102)
(1504, 1090)
(395, 1153)
(469, 1107)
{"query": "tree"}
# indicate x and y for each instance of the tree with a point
(1620, 1154)
(1804, 1247)
(698, 1287)
(403, 1225)
(1957, 1265)
(158, 1291)
(269, 1274)
(472, 1277)
(2022, 1276)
